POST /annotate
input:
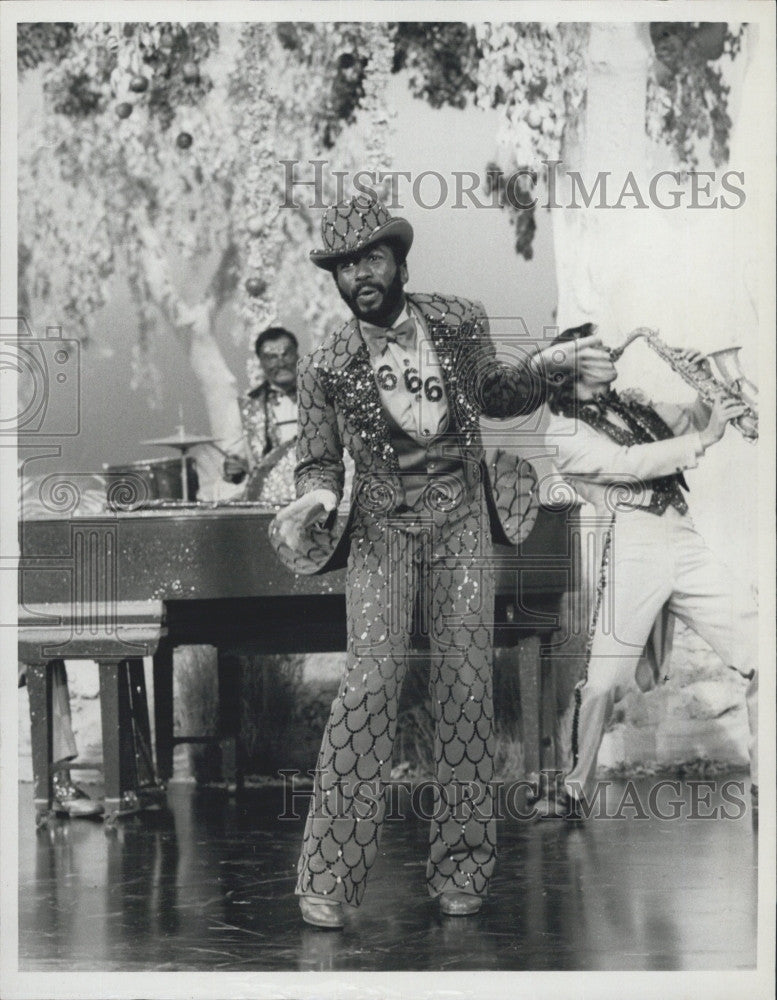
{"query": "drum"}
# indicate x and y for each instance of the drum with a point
(133, 484)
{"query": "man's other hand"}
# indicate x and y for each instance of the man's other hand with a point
(295, 519)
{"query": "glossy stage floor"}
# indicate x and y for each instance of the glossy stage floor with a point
(206, 884)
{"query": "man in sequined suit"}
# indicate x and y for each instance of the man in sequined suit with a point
(401, 387)
(626, 457)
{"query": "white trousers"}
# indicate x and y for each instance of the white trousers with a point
(655, 560)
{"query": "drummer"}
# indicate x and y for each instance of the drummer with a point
(268, 413)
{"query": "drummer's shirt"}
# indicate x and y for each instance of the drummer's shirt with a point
(284, 411)
(409, 376)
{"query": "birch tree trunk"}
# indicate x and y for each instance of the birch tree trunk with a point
(195, 326)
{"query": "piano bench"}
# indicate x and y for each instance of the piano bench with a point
(51, 633)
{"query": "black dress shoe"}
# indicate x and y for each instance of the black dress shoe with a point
(459, 904)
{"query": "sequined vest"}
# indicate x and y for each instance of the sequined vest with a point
(420, 465)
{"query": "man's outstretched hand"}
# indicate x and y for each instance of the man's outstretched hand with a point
(295, 519)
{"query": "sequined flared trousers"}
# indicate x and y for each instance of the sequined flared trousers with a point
(439, 565)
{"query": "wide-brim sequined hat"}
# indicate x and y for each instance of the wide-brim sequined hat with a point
(352, 226)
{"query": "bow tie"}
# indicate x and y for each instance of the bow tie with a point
(403, 334)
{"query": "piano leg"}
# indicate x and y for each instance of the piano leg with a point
(39, 693)
(119, 760)
(148, 787)
(229, 719)
(548, 755)
(163, 709)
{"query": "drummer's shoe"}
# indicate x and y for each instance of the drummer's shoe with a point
(72, 801)
(321, 912)
(459, 904)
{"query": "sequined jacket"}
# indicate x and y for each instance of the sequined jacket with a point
(339, 404)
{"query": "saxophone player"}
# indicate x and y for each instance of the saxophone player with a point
(627, 458)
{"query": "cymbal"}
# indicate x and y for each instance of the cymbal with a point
(181, 440)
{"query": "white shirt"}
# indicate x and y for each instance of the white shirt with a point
(284, 411)
(409, 379)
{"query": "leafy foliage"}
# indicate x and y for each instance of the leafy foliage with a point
(93, 77)
(442, 59)
(167, 57)
(342, 89)
(158, 144)
(515, 192)
(94, 187)
(37, 43)
(161, 142)
(687, 95)
(536, 74)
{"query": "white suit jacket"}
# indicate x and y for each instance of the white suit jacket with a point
(606, 473)
(593, 463)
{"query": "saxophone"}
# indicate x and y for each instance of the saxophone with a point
(731, 384)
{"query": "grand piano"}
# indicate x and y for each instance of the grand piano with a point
(119, 586)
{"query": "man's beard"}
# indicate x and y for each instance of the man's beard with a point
(383, 313)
